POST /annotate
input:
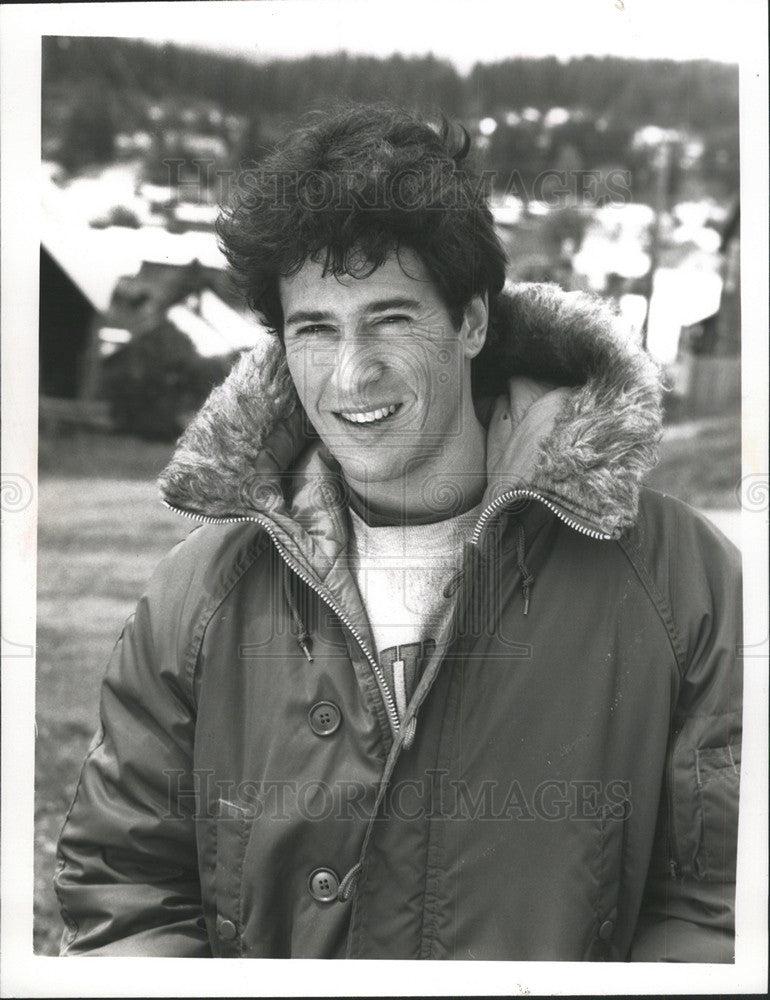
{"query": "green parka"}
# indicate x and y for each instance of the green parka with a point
(565, 782)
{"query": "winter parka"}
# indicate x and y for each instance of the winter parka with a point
(564, 784)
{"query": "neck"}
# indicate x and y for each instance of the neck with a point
(432, 489)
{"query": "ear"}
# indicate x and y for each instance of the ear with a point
(473, 332)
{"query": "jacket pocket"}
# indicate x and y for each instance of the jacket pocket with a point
(231, 836)
(717, 777)
(610, 827)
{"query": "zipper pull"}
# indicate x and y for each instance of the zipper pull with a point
(399, 686)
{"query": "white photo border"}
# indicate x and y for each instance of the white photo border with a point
(25, 974)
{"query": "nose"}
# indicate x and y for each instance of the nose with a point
(358, 367)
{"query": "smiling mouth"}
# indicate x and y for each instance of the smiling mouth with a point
(369, 416)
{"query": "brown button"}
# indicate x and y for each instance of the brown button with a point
(606, 929)
(227, 930)
(324, 718)
(323, 884)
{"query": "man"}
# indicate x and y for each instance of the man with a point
(436, 678)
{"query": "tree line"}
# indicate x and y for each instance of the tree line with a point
(699, 93)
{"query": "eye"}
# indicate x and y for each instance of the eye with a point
(394, 318)
(313, 329)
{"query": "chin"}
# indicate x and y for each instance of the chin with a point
(363, 471)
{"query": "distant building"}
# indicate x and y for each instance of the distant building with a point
(199, 301)
(97, 294)
(67, 317)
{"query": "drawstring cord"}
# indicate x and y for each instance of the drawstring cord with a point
(301, 633)
(527, 579)
(475, 559)
(348, 883)
(454, 584)
(410, 731)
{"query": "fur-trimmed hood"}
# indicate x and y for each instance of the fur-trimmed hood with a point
(572, 406)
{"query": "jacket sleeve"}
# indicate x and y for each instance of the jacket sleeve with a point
(127, 872)
(687, 912)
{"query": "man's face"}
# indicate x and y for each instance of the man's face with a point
(379, 367)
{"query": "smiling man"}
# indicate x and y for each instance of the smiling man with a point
(437, 677)
(384, 377)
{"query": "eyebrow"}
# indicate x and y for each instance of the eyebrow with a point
(307, 317)
(315, 316)
(394, 303)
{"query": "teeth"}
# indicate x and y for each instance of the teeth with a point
(369, 416)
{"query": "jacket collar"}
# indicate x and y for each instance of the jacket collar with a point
(573, 411)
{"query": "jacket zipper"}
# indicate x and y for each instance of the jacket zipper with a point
(264, 523)
(377, 670)
(511, 494)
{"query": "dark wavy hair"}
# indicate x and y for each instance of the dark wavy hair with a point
(349, 187)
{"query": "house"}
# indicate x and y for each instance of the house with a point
(67, 315)
(99, 289)
(200, 301)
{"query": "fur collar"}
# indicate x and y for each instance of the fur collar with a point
(583, 405)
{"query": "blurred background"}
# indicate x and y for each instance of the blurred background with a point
(615, 175)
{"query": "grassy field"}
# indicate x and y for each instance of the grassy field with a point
(700, 463)
(102, 530)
